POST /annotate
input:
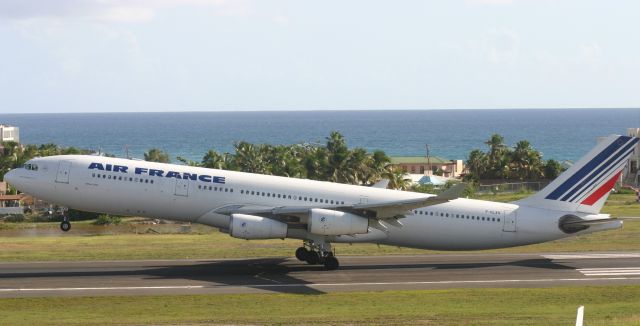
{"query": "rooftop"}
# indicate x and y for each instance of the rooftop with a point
(418, 160)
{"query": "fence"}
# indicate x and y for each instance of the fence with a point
(512, 187)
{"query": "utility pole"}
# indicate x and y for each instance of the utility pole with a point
(428, 160)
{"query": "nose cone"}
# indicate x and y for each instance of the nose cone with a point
(10, 177)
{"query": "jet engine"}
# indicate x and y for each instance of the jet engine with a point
(256, 227)
(329, 222)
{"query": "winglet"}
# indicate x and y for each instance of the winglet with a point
(454, 192)
(383, 183)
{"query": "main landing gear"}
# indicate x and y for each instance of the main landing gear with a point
(65, 225)
(315, 254)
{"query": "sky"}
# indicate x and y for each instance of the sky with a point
(228, 55)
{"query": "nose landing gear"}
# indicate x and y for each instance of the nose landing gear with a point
(65, 225)
(315, 254)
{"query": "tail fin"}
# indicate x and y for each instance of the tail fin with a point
(586, 185)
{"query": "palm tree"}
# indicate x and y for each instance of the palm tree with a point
(248, 158)
(337, 156)
(526, 161)
(477, 163)
(214, 160)
(552, 169)
(397, 178)
(156, 155)
(496, 156)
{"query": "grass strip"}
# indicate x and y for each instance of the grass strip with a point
(605, 305)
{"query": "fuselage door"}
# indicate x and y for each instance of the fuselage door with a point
(182, 187)
(510, 220)
(63, 172)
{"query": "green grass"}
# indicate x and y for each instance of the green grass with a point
(208, 244)
(619, 305)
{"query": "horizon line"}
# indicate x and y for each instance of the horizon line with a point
(328, 110)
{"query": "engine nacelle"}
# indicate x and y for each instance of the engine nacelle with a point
(256, 227)
(329, 222)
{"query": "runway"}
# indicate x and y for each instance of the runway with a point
(374, 273)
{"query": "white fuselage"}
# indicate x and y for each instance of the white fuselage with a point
(461, 224)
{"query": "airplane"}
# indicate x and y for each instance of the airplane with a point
(254, 206)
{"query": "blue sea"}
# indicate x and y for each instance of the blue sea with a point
(562, 134)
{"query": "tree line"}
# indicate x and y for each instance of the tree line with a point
(522, 162)
(332, 161)
(14, 155)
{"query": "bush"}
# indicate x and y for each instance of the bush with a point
(105, 219)
(76, 215)
(42, 218)
(625, 191)
(14, 218)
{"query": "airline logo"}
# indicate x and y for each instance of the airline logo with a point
(157, 173)
(604, 169)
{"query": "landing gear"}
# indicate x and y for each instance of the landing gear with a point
(318, 253)
(65, 225)
(302, 253)
(331, 262)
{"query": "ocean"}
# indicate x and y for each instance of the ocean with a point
(561, 134)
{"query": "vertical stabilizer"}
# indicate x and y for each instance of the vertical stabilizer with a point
(586, 185)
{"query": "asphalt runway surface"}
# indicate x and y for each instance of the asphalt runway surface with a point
(287, 275)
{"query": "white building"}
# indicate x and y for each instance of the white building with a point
(9, 133)
(632, 173)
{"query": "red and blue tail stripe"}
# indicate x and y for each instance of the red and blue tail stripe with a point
(603, 169)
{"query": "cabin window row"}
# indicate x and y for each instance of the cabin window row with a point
(458, 216)
(215, 188)
(120, 178)
(292, 197)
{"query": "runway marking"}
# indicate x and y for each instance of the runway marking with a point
(177, 287)
(591, 256)
(191, 287)
(610, 271)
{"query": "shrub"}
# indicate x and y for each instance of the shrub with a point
(14, 218)
(43, 218)
(105, 219)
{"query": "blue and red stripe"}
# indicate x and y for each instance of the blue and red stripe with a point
(588, 168)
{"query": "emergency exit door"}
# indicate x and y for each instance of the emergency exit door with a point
(63, 172)
(182, 187)
(510, 221)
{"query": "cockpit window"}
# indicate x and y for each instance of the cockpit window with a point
(31, 167)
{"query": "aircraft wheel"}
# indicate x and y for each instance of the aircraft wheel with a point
(302, 253)
(313, 258)
(331, 263)
(65, 226)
